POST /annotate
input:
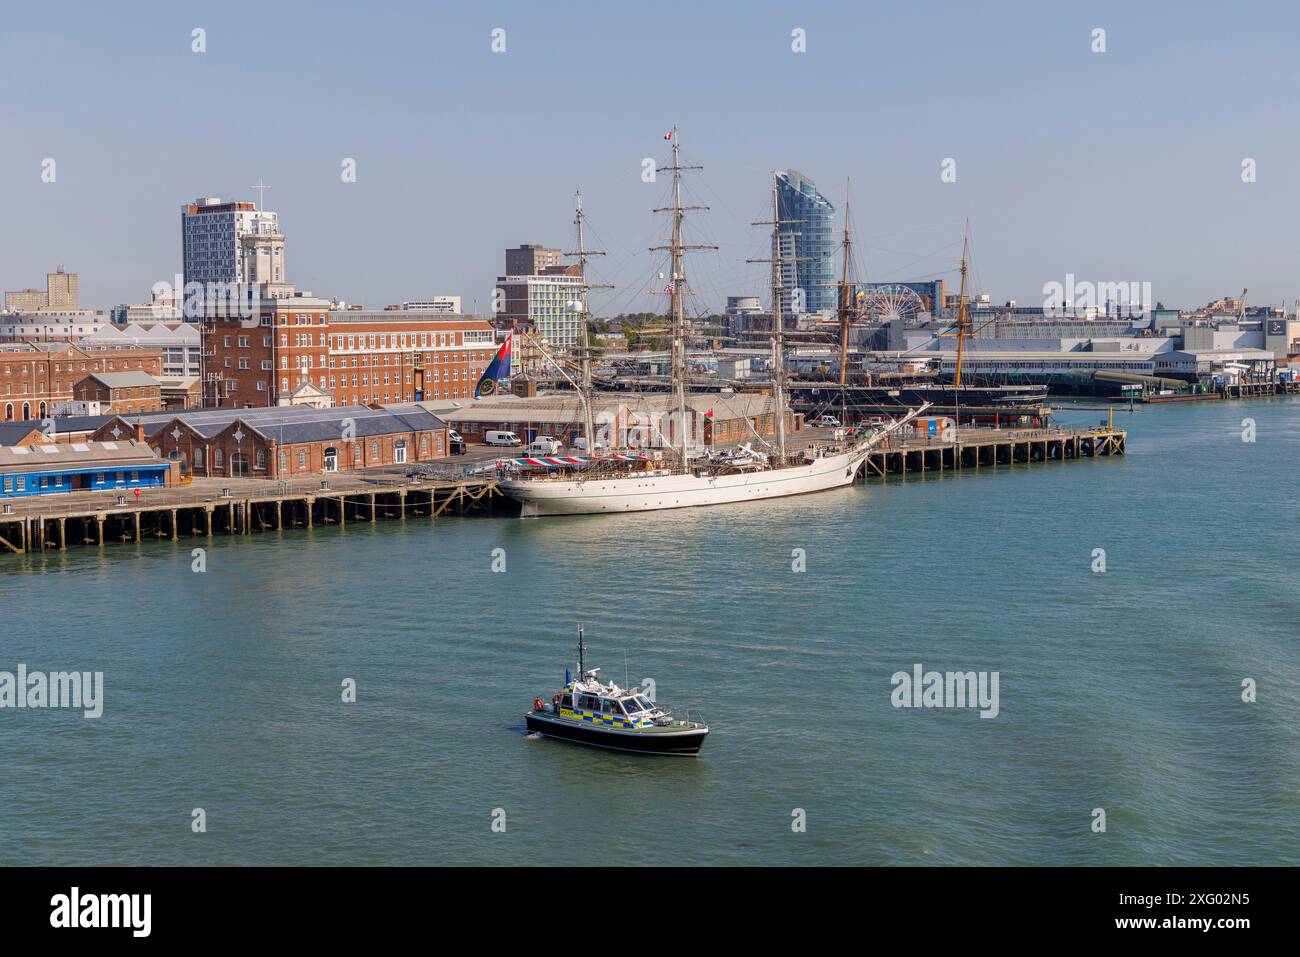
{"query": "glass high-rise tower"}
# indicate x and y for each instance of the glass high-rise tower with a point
(808, 244)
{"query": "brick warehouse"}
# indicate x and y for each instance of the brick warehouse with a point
(296, 350)
(121, 392)
(34, 376)
(286, 442)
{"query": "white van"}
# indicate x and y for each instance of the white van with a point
(501, 438)
(826, 422)
(580, 443)
(544, 445)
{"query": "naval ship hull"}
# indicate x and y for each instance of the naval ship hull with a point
(667, 740)
(641, 493)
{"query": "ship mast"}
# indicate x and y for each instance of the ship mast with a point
(846, 297)
(778, 325)
(581, 255)
(963, 327)
(677, 284)
(778, 320)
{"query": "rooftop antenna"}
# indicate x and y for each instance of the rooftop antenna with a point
(261, 193)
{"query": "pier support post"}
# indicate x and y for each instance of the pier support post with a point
(401, 502)
(175, 530)
(63, 532)
(230, 519)
(308, 503)
(136, 514)
(343, 510)
(207, 511)
(99, 530)
(279, 514)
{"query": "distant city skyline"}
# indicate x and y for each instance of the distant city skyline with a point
(404, 155)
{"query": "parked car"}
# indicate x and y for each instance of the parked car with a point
(501, 438)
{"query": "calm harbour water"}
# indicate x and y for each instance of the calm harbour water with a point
(1119, 690)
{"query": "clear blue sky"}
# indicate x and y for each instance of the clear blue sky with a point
(1118, 166)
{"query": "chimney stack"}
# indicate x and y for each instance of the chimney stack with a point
(139, 431)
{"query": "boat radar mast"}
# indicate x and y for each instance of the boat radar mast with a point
(677, 283)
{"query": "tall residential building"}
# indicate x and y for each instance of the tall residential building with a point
(543, 305)
(61, 289)
(807, 244)
(532, 260)
(26, 300)
(60, 293)
(231, 242)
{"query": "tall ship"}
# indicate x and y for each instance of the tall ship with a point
(586, 485)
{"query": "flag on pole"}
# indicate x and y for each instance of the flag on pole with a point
(668, 135)
(668, 288)
(498, 369)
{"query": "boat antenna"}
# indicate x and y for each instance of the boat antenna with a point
(582, 654)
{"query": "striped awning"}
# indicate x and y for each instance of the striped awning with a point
(571, 461)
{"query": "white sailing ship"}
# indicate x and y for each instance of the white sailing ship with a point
(583, 485)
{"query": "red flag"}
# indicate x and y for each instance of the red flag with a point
(709, 414)
(668, 135)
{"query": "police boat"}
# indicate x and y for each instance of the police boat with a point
(586, 711)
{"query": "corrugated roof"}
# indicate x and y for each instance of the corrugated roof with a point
(32, 458)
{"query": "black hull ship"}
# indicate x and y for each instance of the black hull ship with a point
(585, 711)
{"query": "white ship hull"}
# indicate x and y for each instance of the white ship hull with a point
(641, 492)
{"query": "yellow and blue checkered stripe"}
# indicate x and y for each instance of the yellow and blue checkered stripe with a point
(597, 717)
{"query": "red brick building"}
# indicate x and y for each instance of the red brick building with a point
(296, 350)
(286, 442)
(121, 393)
(34, 376)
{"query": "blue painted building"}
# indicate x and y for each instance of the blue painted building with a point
(51, 468)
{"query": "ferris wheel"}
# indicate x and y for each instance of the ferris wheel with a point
(888, 302)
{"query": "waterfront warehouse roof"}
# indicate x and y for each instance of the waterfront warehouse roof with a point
(62, 456)
(293, 424)
(124, 380)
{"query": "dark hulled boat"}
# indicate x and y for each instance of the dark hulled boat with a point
(585, 711)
